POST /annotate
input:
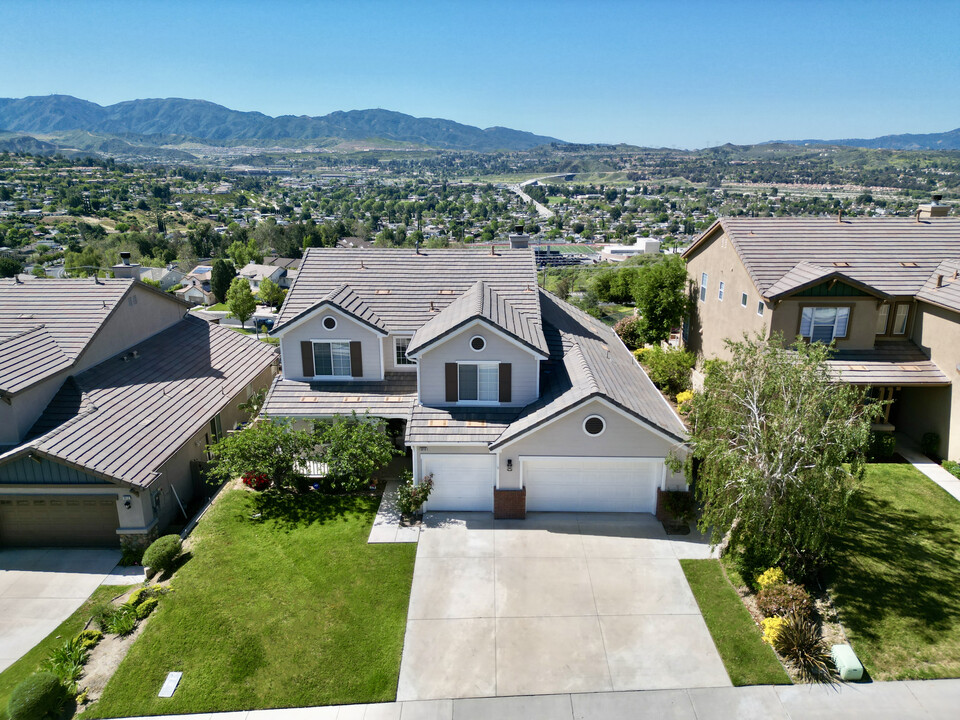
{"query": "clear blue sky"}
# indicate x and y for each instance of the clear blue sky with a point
(682, 73)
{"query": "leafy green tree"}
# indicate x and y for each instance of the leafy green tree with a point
(780, 447)
(354, 449)
(660, 292)
(221, 275)
(10, 267)
(240, 300)
(271, 447)
(270, 293)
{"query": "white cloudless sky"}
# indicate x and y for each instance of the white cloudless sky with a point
(685, 73)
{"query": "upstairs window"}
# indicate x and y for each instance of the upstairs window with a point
(760, 308)
(743, 299)
(400, 345)
(331, 359)
(479, 382)
(824, 324)
(720, 292)
(883, 319)
(900, 318)
(703, 287)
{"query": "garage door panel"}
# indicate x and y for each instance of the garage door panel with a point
(592, 484)
(460, 482)
(59, 521)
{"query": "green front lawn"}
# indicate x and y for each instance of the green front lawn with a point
(283, 604)
(27, 665)
(749, 660)
(897, 580)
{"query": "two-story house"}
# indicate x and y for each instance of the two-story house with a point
(884, 290)
(110, 392)
(511, 398)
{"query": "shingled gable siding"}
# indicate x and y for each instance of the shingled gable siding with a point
(713, 320)
(347, 329)
(524, 366)
(622, 437)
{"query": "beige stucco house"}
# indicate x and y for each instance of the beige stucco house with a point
(886, 291)
(511, 398)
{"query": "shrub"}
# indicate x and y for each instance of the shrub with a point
(683, 399)
(102, 614)
(147, 607)
(88, 639)
(799, 641)
(771, 629)
(131, 555)
(123, 621)
(784, 599)
(680, 504)
(771, 576)
(882, 445)
(39, 696)
(629, 330)
(410, 497)
(163, 553)
(669, 369)
(257, 481)
(930, 443)
(951, 467)
(66, 661)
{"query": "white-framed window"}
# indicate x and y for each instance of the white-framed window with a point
(594, 425)
(743, 299)
(824, 324)
(703, 287)
(478, 382)
(900, 317)
(883, 319)
(331, 359)
(720, 292)
(400, 345)
(760, 308)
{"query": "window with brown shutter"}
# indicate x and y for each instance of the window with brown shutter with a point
(356, 359)
(506, 382)
(452, 382)
(306, 353)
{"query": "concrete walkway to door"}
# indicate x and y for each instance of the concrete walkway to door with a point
(556, 603)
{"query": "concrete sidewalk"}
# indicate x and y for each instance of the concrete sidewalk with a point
(387, 527)
(911, 453)
(911, 700)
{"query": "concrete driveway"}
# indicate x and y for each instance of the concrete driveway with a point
(556, 603)
(42, 587)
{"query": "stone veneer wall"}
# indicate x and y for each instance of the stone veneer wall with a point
(510, 504)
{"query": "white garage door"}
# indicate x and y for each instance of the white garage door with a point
(592, 484)
(461, 482)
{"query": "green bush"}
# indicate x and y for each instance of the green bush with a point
(930, 443)
(669, 369)
(783, 599)
(799, 640)
(146, 607)
(67, 660)
(162, 554)
(102, 614)
(629, 330)
(131, 555)
(410, 497)
(882, 445)
(39, 696)
(123, 621)
(951, 467)
(680, 504)
(88, 639)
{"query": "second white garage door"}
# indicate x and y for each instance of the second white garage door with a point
(592, 484)
(461, 482)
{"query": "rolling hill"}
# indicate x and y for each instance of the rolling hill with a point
(930, 141)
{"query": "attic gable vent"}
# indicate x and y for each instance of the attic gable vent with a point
(907, 264)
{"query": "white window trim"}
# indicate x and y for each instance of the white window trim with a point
(410, 362)
(474, 337)
(323, 323)
(330, 342)
(760, 308)
(720, 291)
(836, 313)
(704, 282)
(591, 417)
(482, 403)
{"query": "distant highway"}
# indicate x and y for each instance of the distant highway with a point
(542, 210)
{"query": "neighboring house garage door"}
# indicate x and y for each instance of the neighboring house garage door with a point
(461, 482)
(59, 520)
(592, 484)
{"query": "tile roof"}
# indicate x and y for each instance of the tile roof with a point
(406, 289)
(888, 363)
(948, 293)
(122, 419)
(394, 396)
(481, 302)
(27, 357)
(450, 424)
(894, 255)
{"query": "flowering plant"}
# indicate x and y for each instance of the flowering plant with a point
(257, 481)
(410, 497)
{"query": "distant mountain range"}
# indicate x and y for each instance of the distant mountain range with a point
(930, 141)
(215, 124)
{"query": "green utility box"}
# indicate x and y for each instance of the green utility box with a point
(849, 667)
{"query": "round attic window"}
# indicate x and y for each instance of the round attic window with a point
(329, 322)
(477, 343)
(594, 425)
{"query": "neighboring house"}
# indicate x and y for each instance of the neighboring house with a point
(886, 290)
(166, 277)
(196, 288)
(512, 399)
(290, 267)
(109, 394)
(256, 274)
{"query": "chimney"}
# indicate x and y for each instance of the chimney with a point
(934, 209)
(519, 241)
(126, 269)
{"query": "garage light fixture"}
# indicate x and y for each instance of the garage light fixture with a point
(509, 464)
(127, 501)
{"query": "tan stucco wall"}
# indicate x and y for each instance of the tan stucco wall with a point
(713, 320)
(347, 329)
(456, 348)
(623, 437)
(17, 417)
(937, 332)
(861, 330)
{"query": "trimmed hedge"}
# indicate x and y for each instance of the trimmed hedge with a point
(39, 696)
(163, 553)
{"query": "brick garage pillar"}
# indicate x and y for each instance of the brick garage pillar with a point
(510, 504)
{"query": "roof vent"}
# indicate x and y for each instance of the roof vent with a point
(907, 264)
(939, 280)
(841, 263)
(840, 215)
(432, 308)
(362, 266)
(382, 292)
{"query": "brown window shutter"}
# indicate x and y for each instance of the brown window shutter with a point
(356, 359)
(453, 390)
(506, 381)
(306, 352)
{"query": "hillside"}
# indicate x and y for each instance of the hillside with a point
(217, 124)
(930, 141)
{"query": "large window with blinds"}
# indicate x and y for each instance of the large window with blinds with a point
(331, 359)
(824, 324)
(479, 382)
